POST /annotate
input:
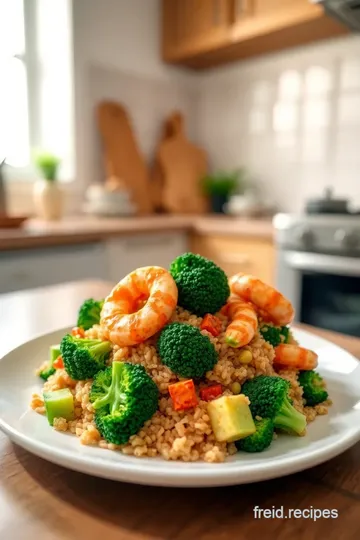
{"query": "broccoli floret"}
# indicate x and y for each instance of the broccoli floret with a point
(202, 285)
(286, 334)
(313, 385)
(269, 399)
(45, 373)
(187, 261)
(275, 334)
(260, 440)
(83, 358)
(124, 397)
(89, 313)
(184, 350)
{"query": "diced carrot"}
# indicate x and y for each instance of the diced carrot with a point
(58, 363)
(183, 395)
(211, 324)
(78, 332)
(211, 392)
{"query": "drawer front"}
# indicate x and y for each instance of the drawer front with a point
(27, 269)
(249, 255)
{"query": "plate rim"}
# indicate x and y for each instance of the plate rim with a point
(211, 474)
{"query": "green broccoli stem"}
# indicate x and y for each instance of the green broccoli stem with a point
(99, 349)
(87, 341)
(289, 419)
(114, 396)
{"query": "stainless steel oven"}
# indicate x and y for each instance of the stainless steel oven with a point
(318, 268)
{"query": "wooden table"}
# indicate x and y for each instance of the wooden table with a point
(41, 501)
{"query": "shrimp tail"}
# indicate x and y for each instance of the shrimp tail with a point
(243, 325)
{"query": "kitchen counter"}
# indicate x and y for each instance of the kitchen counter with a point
(36, 233)
(41, 500)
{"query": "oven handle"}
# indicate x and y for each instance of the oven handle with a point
(326, 264)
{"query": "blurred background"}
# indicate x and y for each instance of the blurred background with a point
(133, 130)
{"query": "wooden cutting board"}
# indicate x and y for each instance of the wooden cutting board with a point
(171, 127)
(122, 158)
(181, 165)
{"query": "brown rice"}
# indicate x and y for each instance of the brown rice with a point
(174, 435)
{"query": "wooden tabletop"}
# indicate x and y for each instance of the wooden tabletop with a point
(41, 501)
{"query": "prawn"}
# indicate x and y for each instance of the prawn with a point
(265, 298)
(295, 357)
(139, 306)
(243, 323)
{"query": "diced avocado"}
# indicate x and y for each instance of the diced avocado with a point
(231, 418)
(59, 404)
(54, 353)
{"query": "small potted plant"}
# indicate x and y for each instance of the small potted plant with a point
(219, 186)
(48, 195)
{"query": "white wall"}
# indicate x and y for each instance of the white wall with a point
(292, 118)
(122, 37)
(124, 34)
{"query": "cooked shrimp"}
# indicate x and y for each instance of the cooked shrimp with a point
(139, 305)
(264, 297)
(295, 357)
(243, 323)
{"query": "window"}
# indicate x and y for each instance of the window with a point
(14, 121)
(36, 85)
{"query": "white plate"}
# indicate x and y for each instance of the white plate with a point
(327, 437)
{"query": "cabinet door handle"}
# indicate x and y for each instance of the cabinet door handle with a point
(236, 258)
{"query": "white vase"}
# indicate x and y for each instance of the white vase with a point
(48, 200)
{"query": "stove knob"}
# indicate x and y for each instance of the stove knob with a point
(346, 239)
(305, 236)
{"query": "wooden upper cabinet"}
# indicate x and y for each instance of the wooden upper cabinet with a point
(193, 27)
(205, 33)
(263, 17)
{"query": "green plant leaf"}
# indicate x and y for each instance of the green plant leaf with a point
(223, 182)
(47, 164)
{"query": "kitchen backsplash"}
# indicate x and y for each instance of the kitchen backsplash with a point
(292, 118)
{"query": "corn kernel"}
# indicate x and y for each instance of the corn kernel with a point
(235, 388)
(245, 356)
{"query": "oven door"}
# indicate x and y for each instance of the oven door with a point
(325, 289)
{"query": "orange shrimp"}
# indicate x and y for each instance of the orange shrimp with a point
(295, 357)
(243, 324)
(264, 297)
(139, 306)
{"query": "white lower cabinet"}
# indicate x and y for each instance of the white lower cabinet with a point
(124, 254)
(110, 259)
(30, 268)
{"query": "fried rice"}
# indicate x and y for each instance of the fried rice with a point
(175, 435)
